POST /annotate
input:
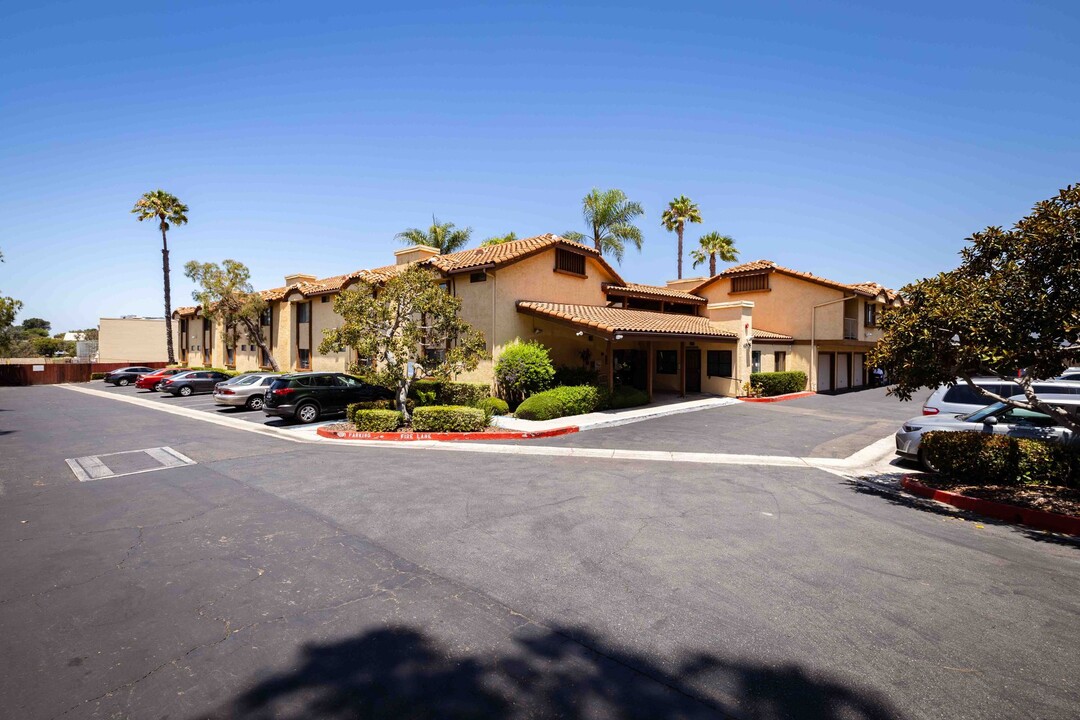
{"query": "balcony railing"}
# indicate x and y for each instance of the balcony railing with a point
(851, 328)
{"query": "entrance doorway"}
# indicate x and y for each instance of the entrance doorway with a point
(631, 368)
(693, 370)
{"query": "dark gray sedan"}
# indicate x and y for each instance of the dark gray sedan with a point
(193, 382)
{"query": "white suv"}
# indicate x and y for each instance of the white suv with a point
(960, 398)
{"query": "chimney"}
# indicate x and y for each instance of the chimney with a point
(299, 278)
(414, 253)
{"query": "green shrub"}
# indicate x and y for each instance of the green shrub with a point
(576, 376)
(98, 376)
(522, 369)
(377, 420)
(351, 408)
(977, 458)
(623, 396)
(778, 383)
(559, 402)
(493, 406)
(446, 392)
(227, 371)
(449, 418)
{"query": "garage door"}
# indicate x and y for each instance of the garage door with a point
(842, 360)
(824, 372)
(858, 368)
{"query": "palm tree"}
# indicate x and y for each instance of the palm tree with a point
(680, 211)
(442, 236)
(500, 239)
(609, 214)
(168, 211)
(714, 245)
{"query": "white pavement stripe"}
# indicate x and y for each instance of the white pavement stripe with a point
(76, 468)
(94, 467)
(165, 458)
(306, 434)
(184, 459)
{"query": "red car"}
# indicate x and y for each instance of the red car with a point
(152, 381)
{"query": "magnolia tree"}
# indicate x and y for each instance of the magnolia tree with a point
(395, 324)
(225, 294)
(1011, 310)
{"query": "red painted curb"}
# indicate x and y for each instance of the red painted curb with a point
(1038, 519)
(443, 437)
(778, 398)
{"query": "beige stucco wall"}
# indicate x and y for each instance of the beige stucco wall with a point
(324, 318)
(134, 340)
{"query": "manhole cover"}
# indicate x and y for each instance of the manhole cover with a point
(130, 462)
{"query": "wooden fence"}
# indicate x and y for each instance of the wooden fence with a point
(53, 373)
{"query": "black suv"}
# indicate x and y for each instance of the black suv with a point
(125, 376)
(306, 397)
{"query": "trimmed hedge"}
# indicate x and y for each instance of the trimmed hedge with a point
(376, 420)
(98, 376)
(227, 371)
(351, 408)
(447, 392)
(523, 368)
(494, 406)
(623, 396)
(449, 418)
(559, 402)
(977, 458)
(778, 383)
(565, 375)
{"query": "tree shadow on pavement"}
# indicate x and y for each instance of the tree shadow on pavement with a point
(567, 673)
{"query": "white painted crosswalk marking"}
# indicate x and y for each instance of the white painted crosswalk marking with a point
(93, 467)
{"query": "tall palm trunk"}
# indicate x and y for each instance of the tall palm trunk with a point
(712, 264)
(679, 231)
(168, 299)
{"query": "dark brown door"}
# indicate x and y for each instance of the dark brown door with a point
(693, 370)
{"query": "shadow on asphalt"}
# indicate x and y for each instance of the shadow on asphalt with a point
(565, 673)
(935, 508)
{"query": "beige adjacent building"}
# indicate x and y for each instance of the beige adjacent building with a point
(133, 339)
(704, 335)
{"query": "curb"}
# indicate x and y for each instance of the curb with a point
(777, 398)
(1038, 519)
(443, 436)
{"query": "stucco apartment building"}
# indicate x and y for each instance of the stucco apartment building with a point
(703, 335)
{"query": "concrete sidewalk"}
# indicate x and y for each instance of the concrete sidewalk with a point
(610, 418)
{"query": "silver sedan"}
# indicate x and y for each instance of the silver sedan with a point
(246, 391)
(999, 419)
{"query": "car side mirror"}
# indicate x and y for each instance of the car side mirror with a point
(991, 420)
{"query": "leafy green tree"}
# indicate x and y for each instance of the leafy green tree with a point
(500, 239)
(9, 308)
(523, 368)
(609, 215)
(445, 237)
(169, 212)
(712, 246)
(680, 211)
(36, 323)
(226, 295)
(52, 347)
(1012, 305)
(410, 320)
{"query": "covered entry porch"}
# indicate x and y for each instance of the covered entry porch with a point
(655, 352)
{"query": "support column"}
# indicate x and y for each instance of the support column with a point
(682, 368)
(611, 365)
(650, 368)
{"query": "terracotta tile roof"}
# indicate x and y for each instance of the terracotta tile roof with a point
(760, 334)
(278, 293)
(321, 287)
(866, 289)
(875, 289)
(186, 311)
(653, 292)
(505, 253)
(608, 321)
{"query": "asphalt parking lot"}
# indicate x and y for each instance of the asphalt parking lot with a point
(203, 403)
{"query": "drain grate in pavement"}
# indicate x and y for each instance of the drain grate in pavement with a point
(129, 462)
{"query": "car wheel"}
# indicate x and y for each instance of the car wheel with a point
(157, 388)
(925, 462)
(307, 413)
(255, 402)
(123, 382)
(186, 391)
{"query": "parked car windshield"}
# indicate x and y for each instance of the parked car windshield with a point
(980, 415)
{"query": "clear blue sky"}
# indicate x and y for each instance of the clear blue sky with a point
(858, 143)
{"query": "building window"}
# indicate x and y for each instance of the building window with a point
(303, 313)
(871, 315)
(780, 361)
(718, 363)
(304, 358)
(478, 277)
(755, 361)
(667, 362)
(750, 283)
(325, 299)
(570, 262)
(265, 317)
